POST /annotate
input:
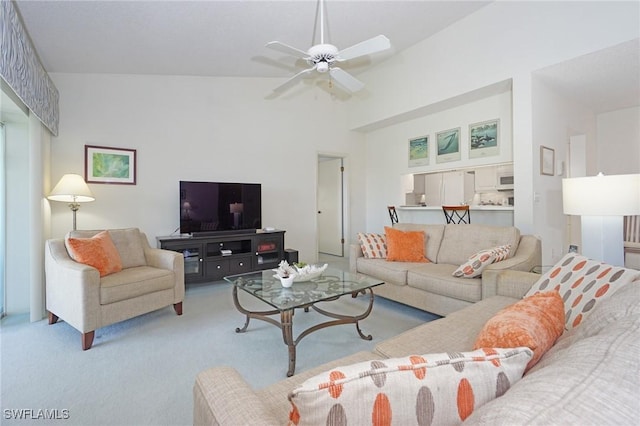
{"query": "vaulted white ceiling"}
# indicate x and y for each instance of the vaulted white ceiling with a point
(217, 37)
(228, 37)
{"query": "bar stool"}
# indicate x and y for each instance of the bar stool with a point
(457, 214)
(393, 214)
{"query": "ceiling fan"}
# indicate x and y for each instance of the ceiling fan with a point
(323, 57)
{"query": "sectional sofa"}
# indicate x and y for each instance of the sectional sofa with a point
(431, 286)
(590, 376)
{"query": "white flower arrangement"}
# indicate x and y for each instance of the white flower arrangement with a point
(300, 271)
(284, 270)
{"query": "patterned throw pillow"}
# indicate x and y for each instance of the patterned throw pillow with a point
(374, 246)
(478, 261)
(582, 282)
(430, 389)
(98, 252)
(405, 246)
(502, 252)
(535, 322)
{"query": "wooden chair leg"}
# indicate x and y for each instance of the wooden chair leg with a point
(87, 340)
(53, 318)
(178, 308)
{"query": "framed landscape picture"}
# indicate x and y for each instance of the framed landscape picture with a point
(448, 143)
(484, 139)
(419, 151)
(104, 164)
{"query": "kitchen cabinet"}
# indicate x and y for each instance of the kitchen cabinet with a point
(486, 179)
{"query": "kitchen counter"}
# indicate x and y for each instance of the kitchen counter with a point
(486, 207)
(480, 214)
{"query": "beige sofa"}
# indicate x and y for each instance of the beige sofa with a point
(590, 376)
(150, 279)
(431, 286)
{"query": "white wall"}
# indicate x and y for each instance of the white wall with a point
(619, 142)
(502, 41)
(387, 151)
(556, 119)
(198, 128)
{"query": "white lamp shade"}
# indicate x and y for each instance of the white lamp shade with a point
(71, 189)
(617, 195)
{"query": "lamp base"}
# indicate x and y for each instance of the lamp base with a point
(74, 208)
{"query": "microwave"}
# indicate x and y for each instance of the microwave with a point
(505, 182)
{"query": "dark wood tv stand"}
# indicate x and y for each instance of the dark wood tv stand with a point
(204, 259)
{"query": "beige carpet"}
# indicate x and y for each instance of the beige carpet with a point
(141, 371)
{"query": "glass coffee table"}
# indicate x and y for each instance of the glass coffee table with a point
(330, 286)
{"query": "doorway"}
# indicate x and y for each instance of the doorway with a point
(330, 203)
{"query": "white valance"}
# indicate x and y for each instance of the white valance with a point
(22, 71)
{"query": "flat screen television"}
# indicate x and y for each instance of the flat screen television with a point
(219, 207)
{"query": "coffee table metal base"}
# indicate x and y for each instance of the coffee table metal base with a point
(286, 322)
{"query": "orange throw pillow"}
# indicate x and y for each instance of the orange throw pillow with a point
(405, 246)
(97, 251)
(535, 322)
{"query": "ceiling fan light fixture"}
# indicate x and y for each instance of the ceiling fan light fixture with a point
(322, 57)
(322, 67)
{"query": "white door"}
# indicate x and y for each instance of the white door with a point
(330, 226)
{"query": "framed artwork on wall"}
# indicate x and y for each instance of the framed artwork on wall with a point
(104, 164)
(419, 151)
(448, 143)
(484, 139)
(547, 161)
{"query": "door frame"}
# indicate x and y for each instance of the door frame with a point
(345, 197)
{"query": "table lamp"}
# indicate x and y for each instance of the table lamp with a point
(602, 202)
(72, 189)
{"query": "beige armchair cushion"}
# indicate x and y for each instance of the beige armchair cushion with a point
(134, 282)
(127, 241)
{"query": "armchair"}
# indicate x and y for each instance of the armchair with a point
(150, 279)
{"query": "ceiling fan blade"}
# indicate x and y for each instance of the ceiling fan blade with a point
(346, 80)
(367, 47)
(285, 48)
(293, 80)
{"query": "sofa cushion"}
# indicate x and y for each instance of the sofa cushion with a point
(438, 278)
(535, 322)
(405, 246)
(440, 388)
(97, 251)
(434, 235)
(128, 242)
(373, 246)
(456, 332)
(582, 283)
(461, 241)
(389, 272)
(623, 303)
(134, 282)
(593, 381)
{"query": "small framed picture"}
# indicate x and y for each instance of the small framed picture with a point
(547, 161)
(419, 151)
(104, 164)
(448, 143)
(484, 139)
